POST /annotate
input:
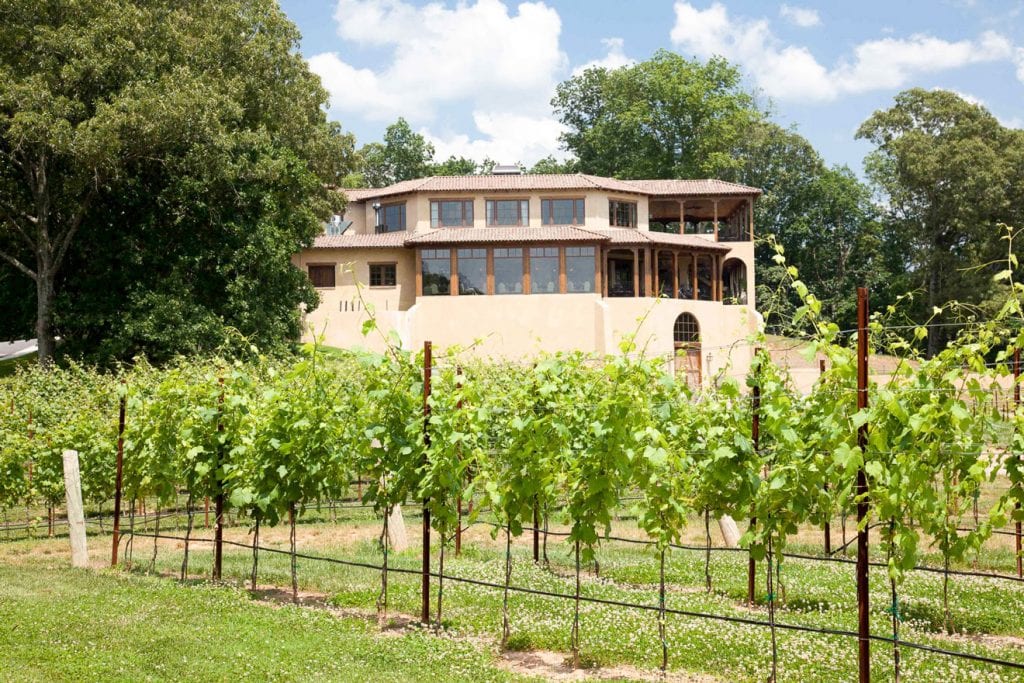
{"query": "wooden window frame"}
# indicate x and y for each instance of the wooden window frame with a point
(334, 274)
(577, 220)
(380, 264)
(524, 266)
(383, 212)
(440, 217)
(524, 221)
(634, 213)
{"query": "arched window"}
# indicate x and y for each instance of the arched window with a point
(686, 330)
(686, 338)
(734, 282)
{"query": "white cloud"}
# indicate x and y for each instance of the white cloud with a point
(507, 138)
(804, 17)
(473, 53)
(791, 72)
(615, 58)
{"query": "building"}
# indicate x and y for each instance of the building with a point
(514, 264)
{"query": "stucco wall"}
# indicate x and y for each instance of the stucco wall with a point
(341, 312)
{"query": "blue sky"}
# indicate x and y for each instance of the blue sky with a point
(476, 76)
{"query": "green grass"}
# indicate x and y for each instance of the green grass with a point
(817, 594)
(63, 624)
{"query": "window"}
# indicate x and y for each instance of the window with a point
(437, 272)
(622, 214)
(508, 212)
(451, 213)
(686, 330)
(508, 271)
(392, 217)
(562, 211)
(579, 269)
(544, 270)
(383, 275)
(322, 275)
(472, 271)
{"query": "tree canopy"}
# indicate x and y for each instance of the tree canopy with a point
(949, 173)
(160, 164)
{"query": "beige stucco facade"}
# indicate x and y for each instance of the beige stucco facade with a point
(518, 326)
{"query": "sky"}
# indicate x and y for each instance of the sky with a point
(476, 77)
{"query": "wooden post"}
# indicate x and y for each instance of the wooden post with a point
(1016, 402)
(675, 274)
(828, 525)
(458, 498)
(863, 594)
(425, 582)
(218, 501)
(117, 482)
(76, 515)
(755, 436)
(647, 272)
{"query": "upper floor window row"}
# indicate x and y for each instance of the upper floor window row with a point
(451, 213)
(621, 214)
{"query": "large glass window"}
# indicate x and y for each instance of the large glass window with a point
(579, 269)
(622, 214)
(544, 270)
(451, 213)
(562, 211)
(392, 217)
(508, 212)
(437, 271)
(508, 271)
(472, 271)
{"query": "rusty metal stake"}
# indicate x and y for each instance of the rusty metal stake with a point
(863, 593)
(425, 583)
(117, 482)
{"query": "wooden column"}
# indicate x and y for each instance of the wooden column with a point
(561, 271)
(682, 216)
(675, 274)
(647, 272)
(657, 278)
(490, 271)
(750, 207)
(419, 272)
(598, 275)
(454, 281)
(693, 260)
(636, 271)
(526, 270)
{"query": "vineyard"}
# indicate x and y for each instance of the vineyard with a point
(579, 486)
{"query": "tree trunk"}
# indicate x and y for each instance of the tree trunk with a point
(44, 308)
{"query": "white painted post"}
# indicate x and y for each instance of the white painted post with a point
(727, 525)
(396, 530)
(76, 515)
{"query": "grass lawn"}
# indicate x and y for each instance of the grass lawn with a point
(163, 623)
(84, 625)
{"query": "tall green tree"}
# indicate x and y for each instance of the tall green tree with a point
(949, 173)
(176, 154)
(667, 117)
(403, 155)
(825, 219)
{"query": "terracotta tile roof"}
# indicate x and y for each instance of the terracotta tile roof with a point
(630, 237)
(548, 233)
(394, 240)
(356, 195)
(553, 181)
(704, 187)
